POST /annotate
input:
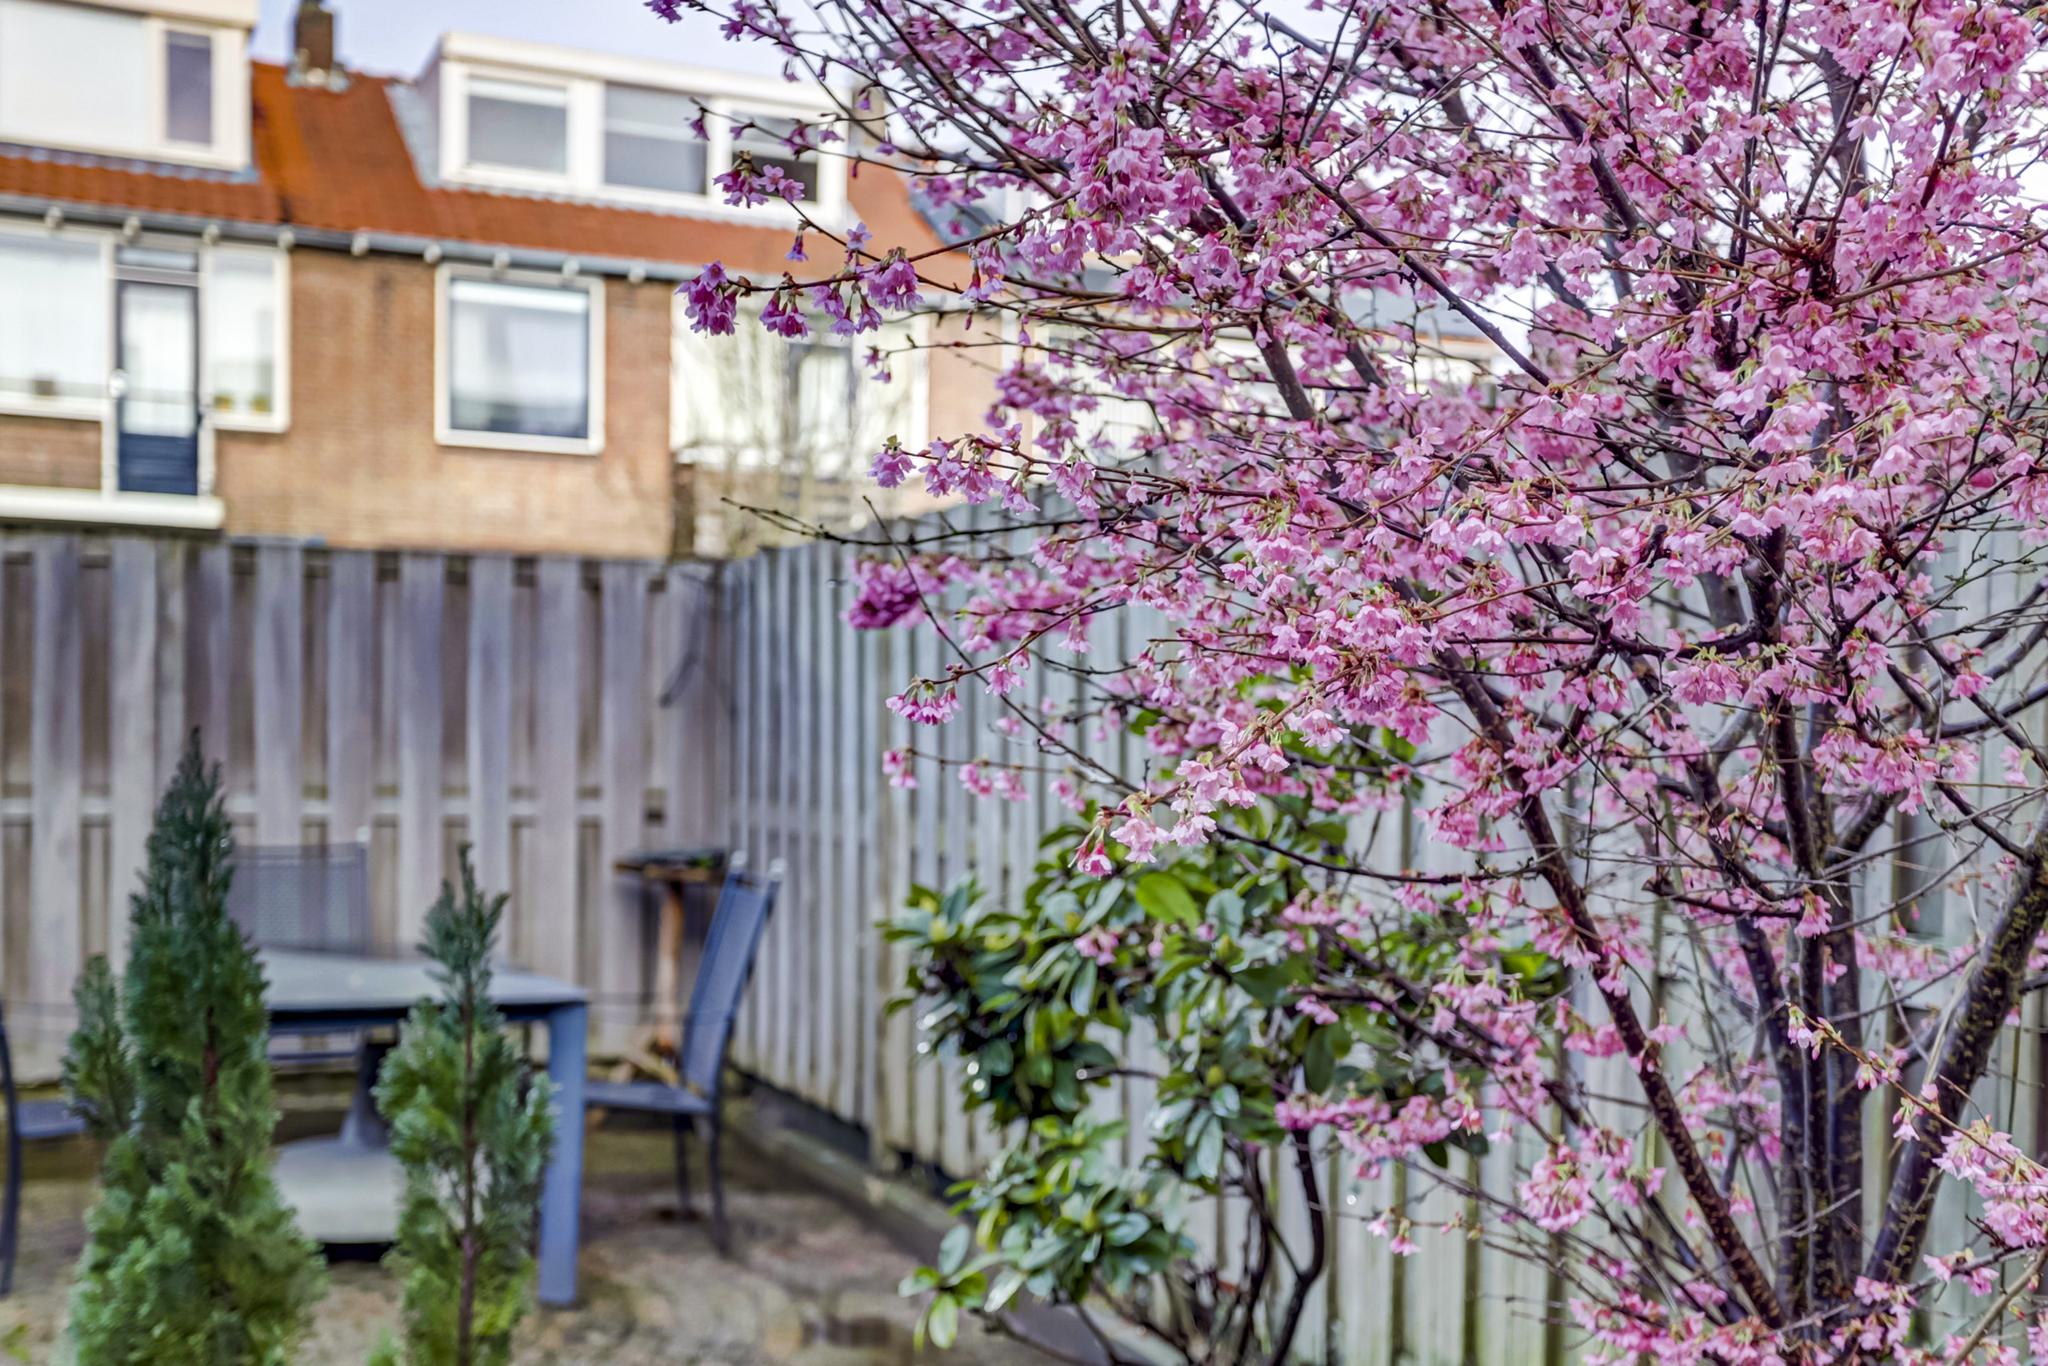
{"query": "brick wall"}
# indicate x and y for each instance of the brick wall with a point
(49, 452)
(360, 465)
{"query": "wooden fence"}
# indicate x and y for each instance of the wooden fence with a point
(553, 713)
(810, 724)
(807, 789)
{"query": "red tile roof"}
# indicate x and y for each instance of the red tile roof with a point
(336, 160)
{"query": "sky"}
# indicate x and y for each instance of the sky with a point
(393, 37)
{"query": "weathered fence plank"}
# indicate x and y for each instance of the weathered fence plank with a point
(552, 932)
(278, 643)
(173, 717)
(781, 783)
(212, 685)
(802, 942)
(422, 583)
(623, 822)
(132, 667)
(351, 718)
(56, 740)
(489, 739)
(852, 827)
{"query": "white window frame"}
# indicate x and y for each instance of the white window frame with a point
(99, 409)
(723, 95)
(229, 149)
(165, 37)
(446, 434)
(279, 418)
(518, 177)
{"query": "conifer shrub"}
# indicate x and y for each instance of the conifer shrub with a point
(190, 1254)
(473, 1130)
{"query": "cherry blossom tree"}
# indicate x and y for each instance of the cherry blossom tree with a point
(1697, 603)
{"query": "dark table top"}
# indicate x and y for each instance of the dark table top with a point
(671, 862)
(336, 986)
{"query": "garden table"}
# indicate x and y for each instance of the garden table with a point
(314, 993)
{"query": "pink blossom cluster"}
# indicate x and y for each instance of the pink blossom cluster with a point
(2013, 1186)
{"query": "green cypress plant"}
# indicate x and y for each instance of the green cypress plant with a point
(473, 1133)
(190, 1255)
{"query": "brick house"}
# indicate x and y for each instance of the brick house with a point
(310, 303)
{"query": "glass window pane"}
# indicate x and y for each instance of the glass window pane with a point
(518, 359)
(159, 354)
(157, 258)
(648, 141)
(241, 334)
(824, 406)
(522, 127)
(651, 110)
(53, 295)
(188, 88)
(640, 162)
(729, 396)
(885, 408)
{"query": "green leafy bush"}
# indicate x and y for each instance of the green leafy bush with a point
(1192, 973)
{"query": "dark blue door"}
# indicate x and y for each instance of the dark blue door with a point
(157, 439)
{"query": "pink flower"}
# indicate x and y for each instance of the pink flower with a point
(1099, 944)
(710, 301)
(928, 704)
(890, 465)
(895, 285)
(896, 767)
(783, 318)
(1558, 1192)
(1091, 860)
(884, 593)
(1316, 1010)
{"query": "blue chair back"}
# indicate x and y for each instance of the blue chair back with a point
(744, 904)
(314, 896)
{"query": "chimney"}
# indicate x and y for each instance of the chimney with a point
(313, 43)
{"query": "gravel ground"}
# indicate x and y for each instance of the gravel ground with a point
(809, 1281)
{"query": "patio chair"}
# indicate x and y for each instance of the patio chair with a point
(314, 898)
(744, 905)
(28, 1121)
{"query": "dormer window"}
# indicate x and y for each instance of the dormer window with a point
(520, 116)
(116, 79)
(188, 88)
(519, 126)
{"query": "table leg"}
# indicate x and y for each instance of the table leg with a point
(668, 959)
(561, 1195)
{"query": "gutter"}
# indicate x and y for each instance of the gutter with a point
(287, 235)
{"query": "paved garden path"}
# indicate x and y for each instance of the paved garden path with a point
(810, 1283)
